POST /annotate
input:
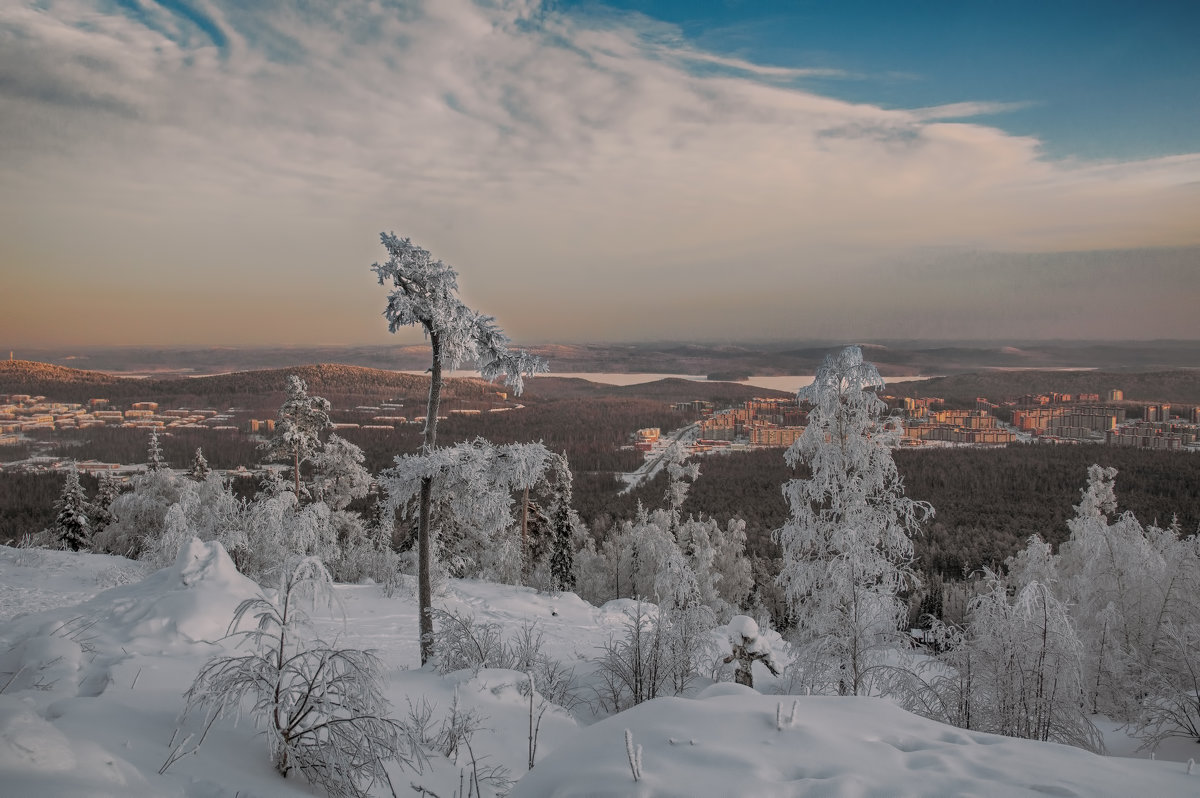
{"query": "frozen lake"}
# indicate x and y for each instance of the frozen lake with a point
(778, 383)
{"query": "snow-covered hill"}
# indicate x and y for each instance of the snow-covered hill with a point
(94, 664)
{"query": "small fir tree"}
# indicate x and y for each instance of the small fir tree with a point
(71, 526)
(199, 470)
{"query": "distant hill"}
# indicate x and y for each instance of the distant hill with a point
(344, 386)
(255, 388)
(671, 389)
(1177, 386)
(892, 357)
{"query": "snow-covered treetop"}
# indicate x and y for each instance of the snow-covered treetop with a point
(1099, 496)
(425, 292)
(479, 465)
(840, 374)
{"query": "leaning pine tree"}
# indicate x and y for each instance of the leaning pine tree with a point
(847, 550)
(71, 525)
(425, 293)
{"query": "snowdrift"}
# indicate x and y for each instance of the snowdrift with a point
(732, 741)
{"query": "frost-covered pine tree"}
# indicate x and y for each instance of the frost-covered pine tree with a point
(302, 419)
(424, 292)
(199, 470)
(71, 525)
(847, 550)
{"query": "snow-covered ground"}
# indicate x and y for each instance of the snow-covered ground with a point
(94, 664)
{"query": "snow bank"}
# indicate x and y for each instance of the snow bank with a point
(730, 743)
(75, 648)
(36, 759)
(194, 598)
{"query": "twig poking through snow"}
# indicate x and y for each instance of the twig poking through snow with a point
(634, 754)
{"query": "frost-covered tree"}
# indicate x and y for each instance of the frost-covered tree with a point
(731, 571)
(638, 552)
(154, 455)
(424, 292)
(1124, 582)
(684, 622)
(339, 476)
(680, 475)
(321, 707)
(302, 419)
(199, 470)
(71, 524)
(1014, 668)
(847, 550)
(471, 486)
(140, 513)
(1027, 671)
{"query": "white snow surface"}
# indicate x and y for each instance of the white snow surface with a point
(92, 683)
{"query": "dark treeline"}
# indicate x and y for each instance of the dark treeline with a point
(222, 448)
(960, 390)
(27, 501)
(590, 431)
(988, 501)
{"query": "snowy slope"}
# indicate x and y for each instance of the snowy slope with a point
(728, 742)
(92, 682)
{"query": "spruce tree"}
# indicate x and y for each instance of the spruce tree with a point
(563, 523)
(71, 525)
(108, 488)
(200, 469)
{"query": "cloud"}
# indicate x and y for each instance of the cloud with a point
(965, 110)
(565, 164)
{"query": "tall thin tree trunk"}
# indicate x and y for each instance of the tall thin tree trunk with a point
(424, 544)
(296, 469)
(525, 529)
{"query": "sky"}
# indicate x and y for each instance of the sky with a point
(200, 172)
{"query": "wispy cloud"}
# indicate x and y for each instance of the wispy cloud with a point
(266, 146)
(966, 110)
(739, 65)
